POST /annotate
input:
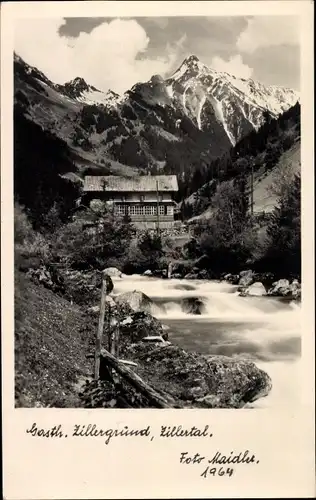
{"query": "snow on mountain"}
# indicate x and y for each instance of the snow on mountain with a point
(81, 91)
(196, 113)
(238, 104)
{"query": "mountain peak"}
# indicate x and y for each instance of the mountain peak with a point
(77, 83)
(193, 59)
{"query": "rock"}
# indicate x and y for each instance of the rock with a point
(192, 393)
(245, 273)
(184, 286)
(153, 338)
(203, 275)
(232, 278)
(193, 305)
(200, 381)
(280, 288)
(181, 267)
(140, 325)
(48, 276)
(295, 289)
(191, 276)
(176, 276)
(265, 278)
(127, 321)
(210, 401)
(113, 272)
(255, 290)
(110, 301)
(246, 278)
(148, 273)
(138, 301)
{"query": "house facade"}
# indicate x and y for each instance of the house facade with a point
(147, 200)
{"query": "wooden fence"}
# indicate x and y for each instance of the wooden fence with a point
(119, 367)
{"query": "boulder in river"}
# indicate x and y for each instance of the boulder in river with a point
(257, 289)
(295, 289)
(283, 288)
(191, 276)
(232, 278)
(193, 305)
(184, 286)
(137, 300)
(246, 278)
(280, 288)
(113, 272)
(148, 273)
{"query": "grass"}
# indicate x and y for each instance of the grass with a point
(52, 338)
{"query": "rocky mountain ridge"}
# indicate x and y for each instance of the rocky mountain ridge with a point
(237, 102)
(160, 126)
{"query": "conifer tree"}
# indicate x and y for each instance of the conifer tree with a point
(284, 231)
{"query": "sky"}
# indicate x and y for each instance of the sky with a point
(116, 53)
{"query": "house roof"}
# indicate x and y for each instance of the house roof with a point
(129, 184)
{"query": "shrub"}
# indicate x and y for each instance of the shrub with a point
(145, 252)
(92, 242)
(30, 247)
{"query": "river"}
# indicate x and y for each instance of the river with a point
(263, 329)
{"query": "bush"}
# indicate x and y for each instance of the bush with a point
(145, 252)
(95, 241)
(30, 247)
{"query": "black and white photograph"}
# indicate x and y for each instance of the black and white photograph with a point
(157, 212)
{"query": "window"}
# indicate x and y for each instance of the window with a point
(136, 210)
(169, 210)
(145, 210)
(150, 210)
(120, 209)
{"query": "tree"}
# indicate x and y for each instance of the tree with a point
(151, 251)
(284, 232)
(228, 238)
(96, 241)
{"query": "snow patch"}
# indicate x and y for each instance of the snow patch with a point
(218, 109)
(198, 117)
(170, 91)
(180, 72)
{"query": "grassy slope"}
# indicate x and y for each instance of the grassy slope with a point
(51, 342)
(59, 114)
(263, 199)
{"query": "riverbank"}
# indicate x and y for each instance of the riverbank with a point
(53, 338)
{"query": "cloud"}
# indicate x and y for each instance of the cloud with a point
(269, 32)
(235, 66)
(112, 55)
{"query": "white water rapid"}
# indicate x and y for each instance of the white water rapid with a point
(263, 329)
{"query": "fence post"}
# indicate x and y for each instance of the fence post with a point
(100, 330)
(113, 341)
